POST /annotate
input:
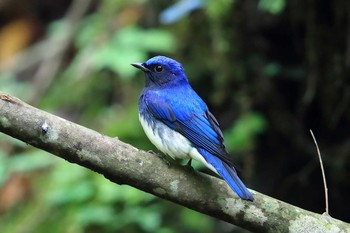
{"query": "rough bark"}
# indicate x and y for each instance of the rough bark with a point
(124, 164)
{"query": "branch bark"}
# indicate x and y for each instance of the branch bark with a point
(123, 164)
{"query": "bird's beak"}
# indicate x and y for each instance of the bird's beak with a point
(140, 66)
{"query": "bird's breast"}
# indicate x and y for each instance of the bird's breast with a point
(165, 139)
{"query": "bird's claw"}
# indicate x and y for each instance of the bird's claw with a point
(189, 165)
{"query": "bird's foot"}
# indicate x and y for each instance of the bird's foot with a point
(189, 165)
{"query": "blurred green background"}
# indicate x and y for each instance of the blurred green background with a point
(269, 70)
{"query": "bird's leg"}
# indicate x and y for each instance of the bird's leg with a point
(189, 163)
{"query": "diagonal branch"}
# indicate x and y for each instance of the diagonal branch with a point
(124, 164)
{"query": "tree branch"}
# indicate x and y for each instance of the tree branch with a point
(124, 164)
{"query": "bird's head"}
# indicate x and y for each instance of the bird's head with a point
(162, 71)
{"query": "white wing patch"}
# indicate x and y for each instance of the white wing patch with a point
(171, 142)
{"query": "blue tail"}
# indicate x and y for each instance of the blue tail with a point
(229, 174)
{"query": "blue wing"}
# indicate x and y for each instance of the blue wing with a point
(192, 119)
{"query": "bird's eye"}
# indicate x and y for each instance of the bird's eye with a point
(158, 68)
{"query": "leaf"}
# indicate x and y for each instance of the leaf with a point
(272, 6)
(30, 161)
(242, 135)
(127, 45)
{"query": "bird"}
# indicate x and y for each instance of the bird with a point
(178, 122)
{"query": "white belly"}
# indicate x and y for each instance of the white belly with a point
(171, 142)
(166, 140)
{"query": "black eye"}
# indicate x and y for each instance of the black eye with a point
(158, 68)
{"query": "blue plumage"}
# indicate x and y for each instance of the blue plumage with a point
(178, 122)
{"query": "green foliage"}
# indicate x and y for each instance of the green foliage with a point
(66, 197)
(272, 6)
(241, 137)
(19, 89)
(217, 9)
(96, 88)
(24, 162)
(123, 47)
(272, 69)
